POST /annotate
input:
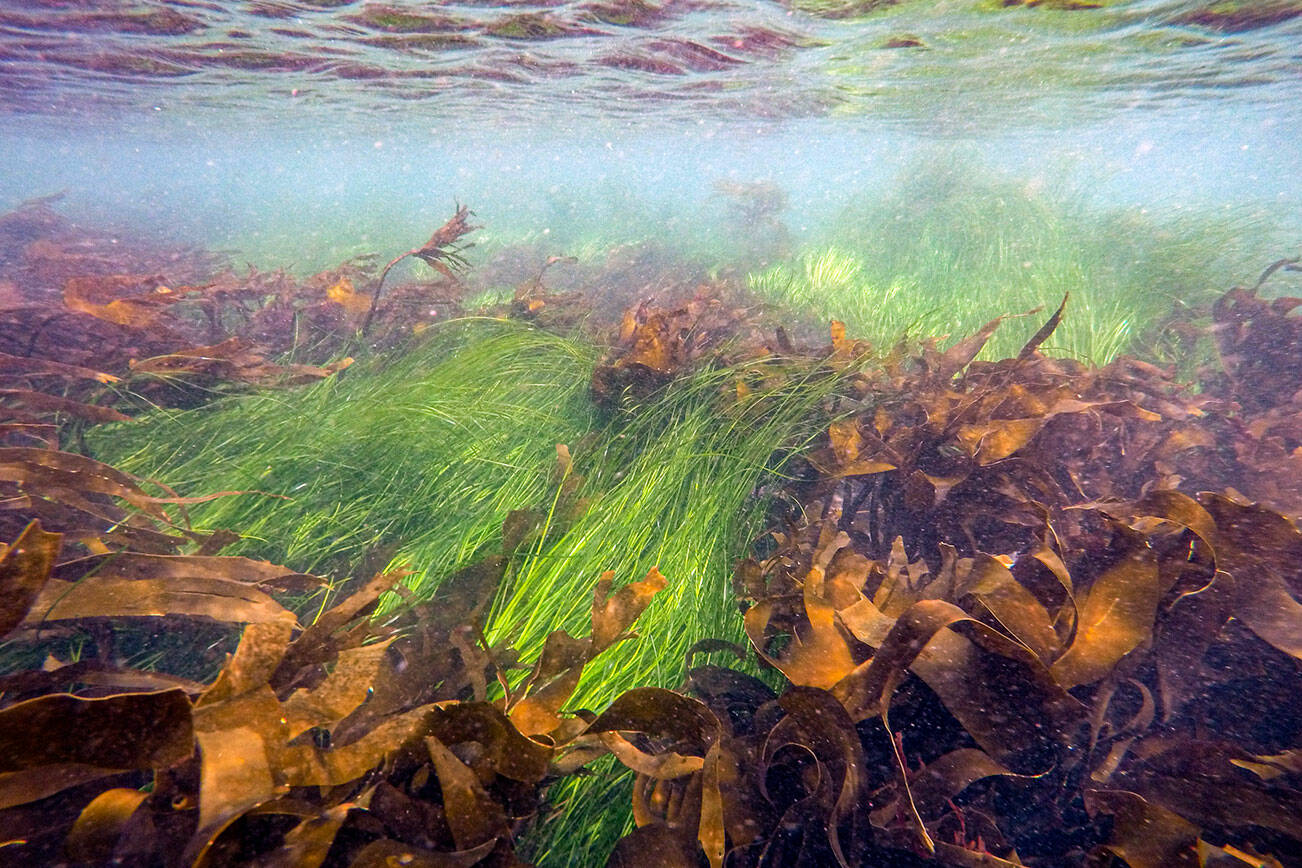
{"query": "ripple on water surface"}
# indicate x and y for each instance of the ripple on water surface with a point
(673, 60)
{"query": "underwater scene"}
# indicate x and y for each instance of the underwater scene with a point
(666, 433)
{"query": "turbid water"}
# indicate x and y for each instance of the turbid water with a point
(906, 167)
(297, 131)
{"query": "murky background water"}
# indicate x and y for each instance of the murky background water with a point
(299, 133)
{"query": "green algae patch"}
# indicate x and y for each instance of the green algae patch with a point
(944, 252)
(429, 453)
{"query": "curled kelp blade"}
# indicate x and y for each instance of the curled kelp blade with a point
(25, 566)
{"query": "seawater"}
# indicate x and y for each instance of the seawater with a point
(296, 134)
(299, 134)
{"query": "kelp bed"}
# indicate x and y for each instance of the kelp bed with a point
(1021, 612)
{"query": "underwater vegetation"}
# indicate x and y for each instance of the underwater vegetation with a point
(442, 252)
(945, 251)
(905, 601)
(428, 453)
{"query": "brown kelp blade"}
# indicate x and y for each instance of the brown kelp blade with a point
(105, 597)
(25, 566)
(128, 731)
(1045, 331)
(535, 711)
(234, 360)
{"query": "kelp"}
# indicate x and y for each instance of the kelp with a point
(441, 252)
(655, 345)
(1254, 341)
(174, 340)
(351, 740)
(167, 343)
(1008, 635)
(96, 506)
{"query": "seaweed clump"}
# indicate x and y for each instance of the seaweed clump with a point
(240, 711)
(105, 309)
(348, 741)
(1025, 615)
